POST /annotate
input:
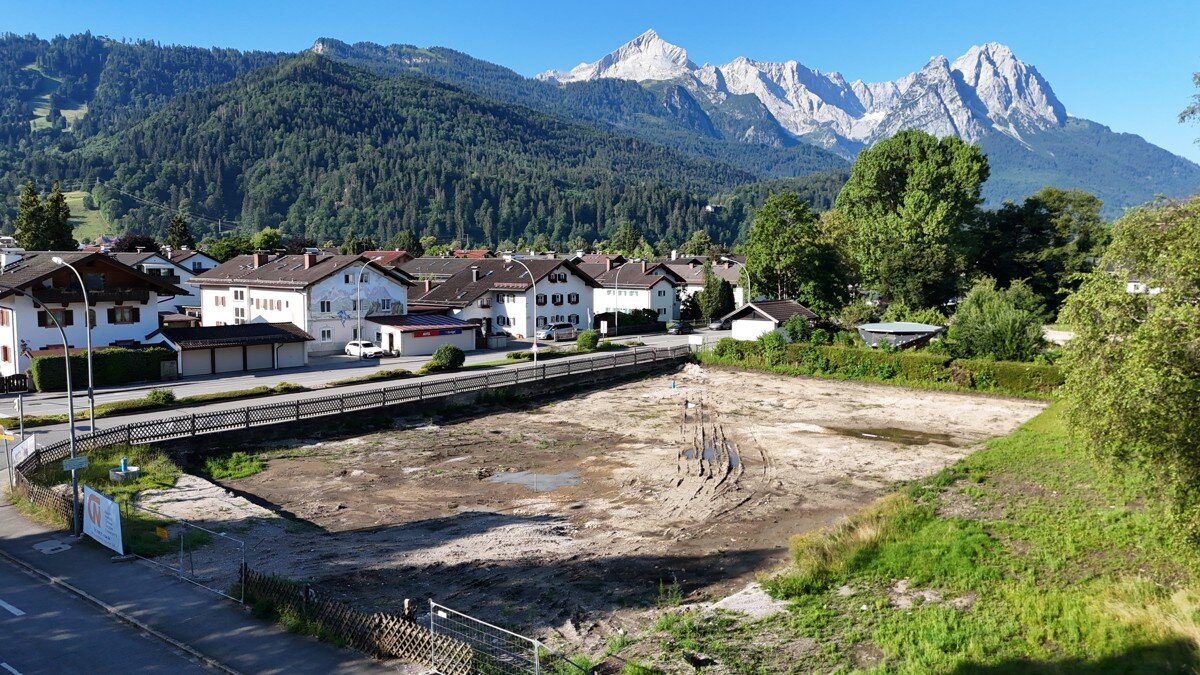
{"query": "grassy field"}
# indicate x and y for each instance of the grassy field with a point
(1028, 556)
(88, 224)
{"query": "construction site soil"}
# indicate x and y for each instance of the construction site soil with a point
(574, 518)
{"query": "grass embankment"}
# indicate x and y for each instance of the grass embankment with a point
(377, 376)
(138, 528)
(1029, 556)
(156, 399)
(88, 223)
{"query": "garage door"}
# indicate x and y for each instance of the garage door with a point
(229, 359)
(197, 362)
(259, 357)
(291, 355)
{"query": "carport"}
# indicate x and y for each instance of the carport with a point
(210, 350)
(421, 334)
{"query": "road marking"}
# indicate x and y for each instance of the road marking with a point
(12, 610)
(10, 669)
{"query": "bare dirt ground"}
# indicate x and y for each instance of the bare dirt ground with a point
(568, 519)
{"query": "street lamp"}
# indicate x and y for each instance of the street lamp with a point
(508, 258)
(727, 259)
(87, 318)
(70, 405)
(358, 306)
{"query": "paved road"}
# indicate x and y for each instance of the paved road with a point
(319, 372)
(50, 631)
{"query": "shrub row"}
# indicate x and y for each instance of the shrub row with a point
(922, 368)
(110, 365)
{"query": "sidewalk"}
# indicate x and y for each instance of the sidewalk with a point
(212, 628)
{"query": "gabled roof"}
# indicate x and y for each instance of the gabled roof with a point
(135, 259)
(36, 266)
(630, 275)
(408, 323)
(179, 255)
(286, 271)
(436, 267)
(601, 258)
(388, 258)
(494, 274)
(473, 253)
(778, 311)
(692, 273)
(202, 337)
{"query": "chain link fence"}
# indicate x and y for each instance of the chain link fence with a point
(210, 559)
(493, 650)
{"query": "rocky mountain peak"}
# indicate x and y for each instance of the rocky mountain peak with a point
(646, 57)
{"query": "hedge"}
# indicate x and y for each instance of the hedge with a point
(919, 368)
(110, 365)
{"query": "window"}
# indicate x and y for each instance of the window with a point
(4, 321)
(239, 312)
(239, 295)
(662, 294)
(354, 333)
(378, 338)
(366, 277)
(219, 301)
(574, 319)
(119, 315)
(65, 317)
(502, 321)
(385, 305)
(540, 298)
(197, 266)
(326, 335)
(325, 307)
(256, 303)
(346, 278)
(662, 311)
(541, 322)
(354, 305)
(573, 298)
(557, 298)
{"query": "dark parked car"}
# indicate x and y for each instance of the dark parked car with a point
(678, 328)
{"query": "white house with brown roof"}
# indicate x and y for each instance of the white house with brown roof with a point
(636, 285)
(501, 297)
(123, 302)
(691, 271)
(755, 319)
(316, 292)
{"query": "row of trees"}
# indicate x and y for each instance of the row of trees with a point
(44, 224)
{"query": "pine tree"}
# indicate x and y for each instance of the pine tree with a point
(30, 216)
(57, 222)
(179, 235)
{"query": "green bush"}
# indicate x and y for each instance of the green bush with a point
(446, 357)
(1008, 376)
(233, 466)
(110, 365)
(160, 397)
(773, 347)
(588, 340)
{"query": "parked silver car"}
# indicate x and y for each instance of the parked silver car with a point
(558, 331)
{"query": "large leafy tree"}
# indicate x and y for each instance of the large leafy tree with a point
(132, 241)
(1133, 367)
(906, 203)
(268, 239)
(788, 256)
(698, 244)
(227, 247)
(1049, 240)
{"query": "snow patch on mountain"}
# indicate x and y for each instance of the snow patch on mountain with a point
(646, 57)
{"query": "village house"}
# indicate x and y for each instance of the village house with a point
(499, 296)
(123, 303)
(196, 261)
(691, 271)
(635, 285)
(317, 293)
(160, 265)
(758, 318)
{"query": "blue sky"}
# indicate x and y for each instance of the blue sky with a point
(1124, 64)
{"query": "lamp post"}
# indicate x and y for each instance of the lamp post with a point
(87, 318)
(70, 404)
(508, 258)
(749, 283)
(358, 306)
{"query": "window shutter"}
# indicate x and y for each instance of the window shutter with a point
(69, 317)
(137, 314)
(41, 319)
(112, 315)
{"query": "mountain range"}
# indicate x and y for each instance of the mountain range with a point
(370, 139)
(986, 96)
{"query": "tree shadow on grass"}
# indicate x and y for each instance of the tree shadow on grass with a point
(1171, 656)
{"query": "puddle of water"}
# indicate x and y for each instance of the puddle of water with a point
(896, 435)
(709, 453)
(538, 482)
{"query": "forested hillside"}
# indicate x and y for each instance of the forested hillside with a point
(318, 148)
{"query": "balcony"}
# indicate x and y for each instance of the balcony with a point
(68, 296)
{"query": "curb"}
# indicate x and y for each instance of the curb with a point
(118, 614)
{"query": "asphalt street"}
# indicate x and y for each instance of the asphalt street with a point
(47, 630)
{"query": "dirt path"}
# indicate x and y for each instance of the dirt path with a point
(570, 516)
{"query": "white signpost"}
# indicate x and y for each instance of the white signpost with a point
(102, 519)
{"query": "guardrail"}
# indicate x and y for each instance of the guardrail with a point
(183, 426)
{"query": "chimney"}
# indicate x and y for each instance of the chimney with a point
(643, 267)
(726, 263)
(310, 259)
(474, 272)
(691, 264)
(260, 259)
(607, 263)
(428, 285)
(674, 254)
